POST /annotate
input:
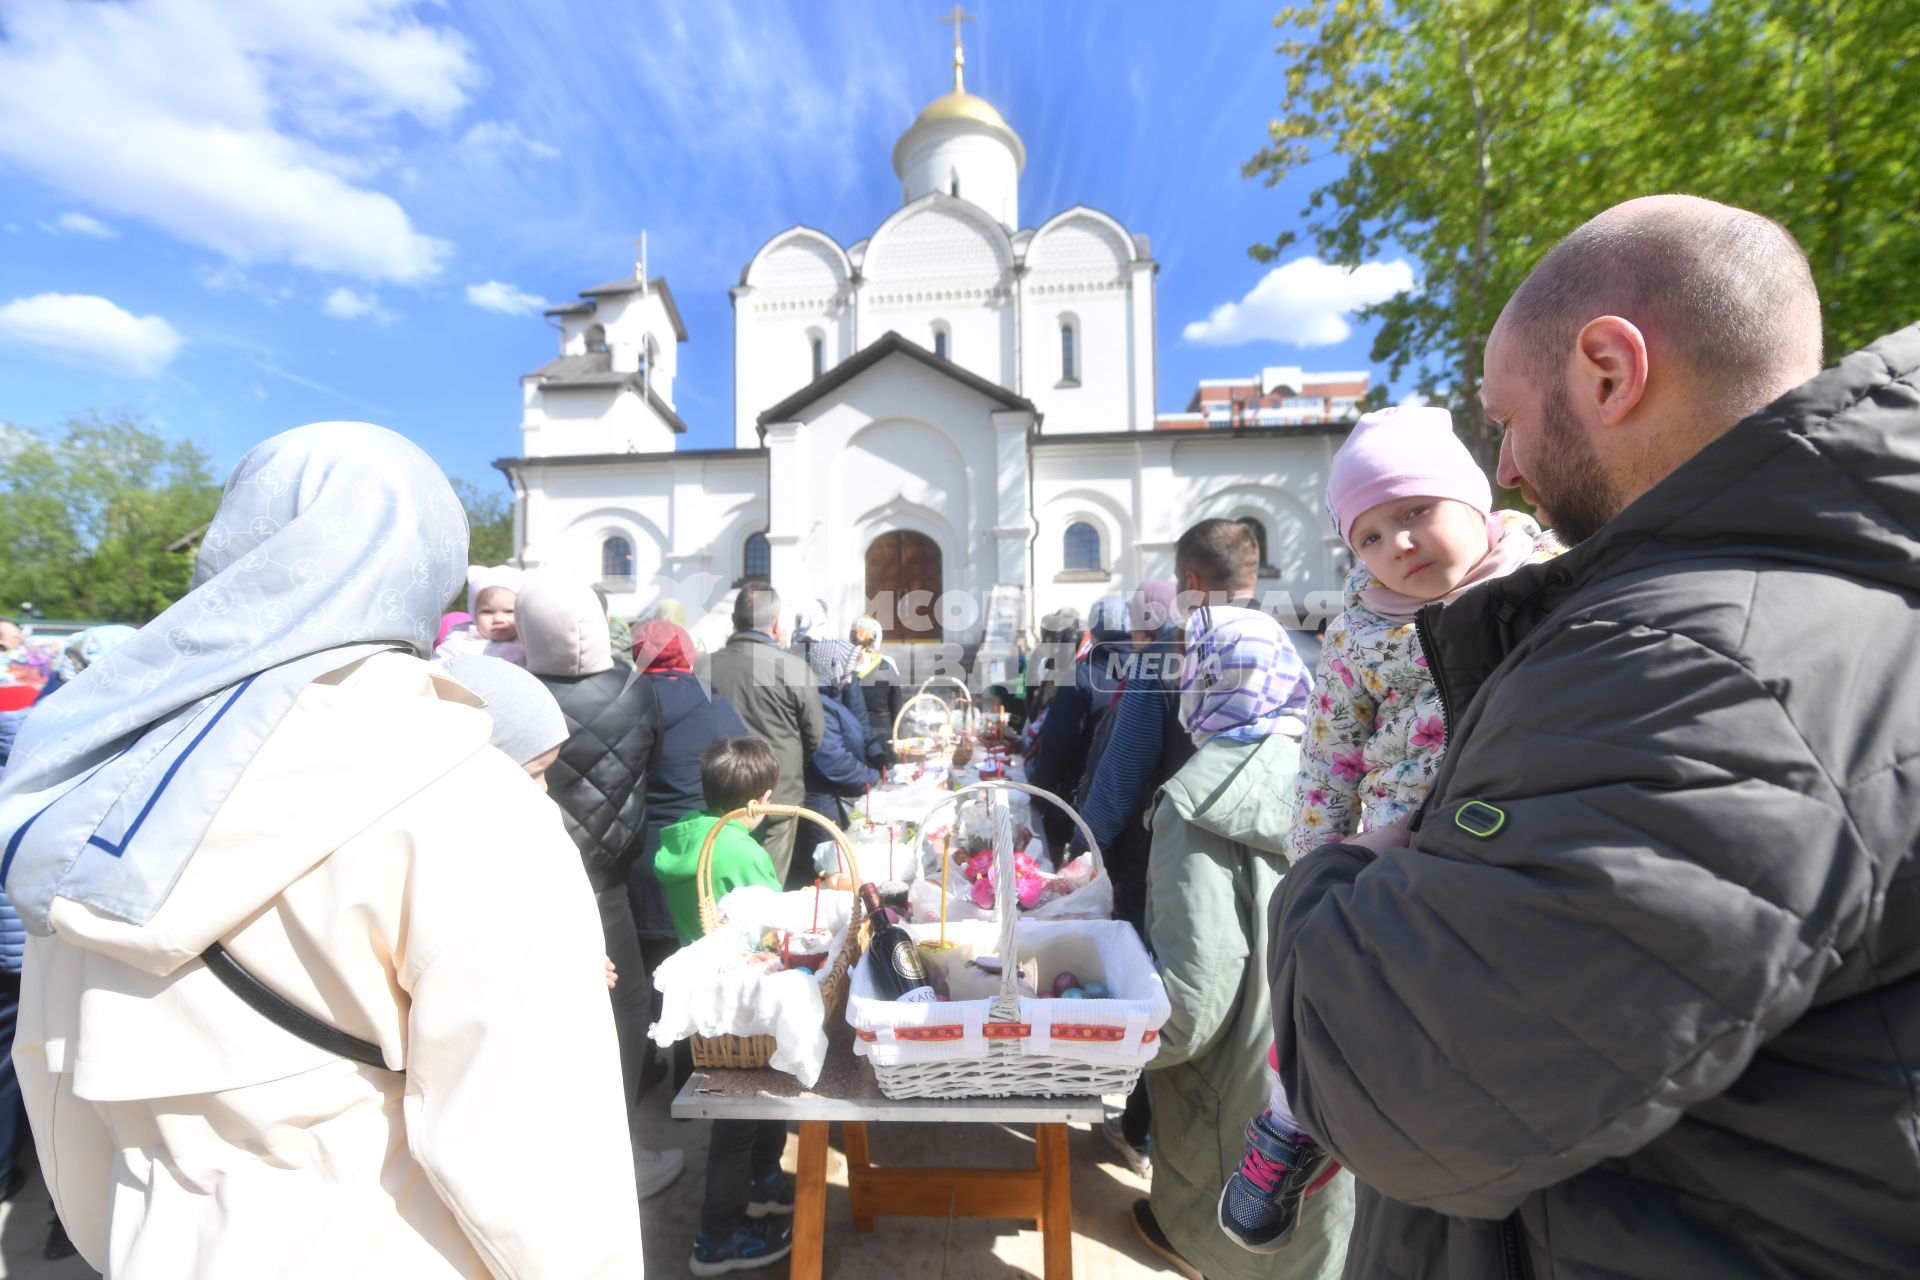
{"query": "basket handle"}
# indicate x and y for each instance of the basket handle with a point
(1006, 784)
(753, 809)
(900, 719)
(966, 694)
(1006, 1008)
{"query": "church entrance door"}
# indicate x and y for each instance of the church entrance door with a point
(903, 584)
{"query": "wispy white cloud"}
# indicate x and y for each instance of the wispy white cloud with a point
(354, 304)
(1303, 303)
(497, 141)
(496, 295)
(252, 130)
(74, 223)
(91, 332)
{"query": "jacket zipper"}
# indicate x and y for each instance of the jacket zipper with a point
(1438, 672)
(1510, 1246)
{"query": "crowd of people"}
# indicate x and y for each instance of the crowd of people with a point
(1561, 920)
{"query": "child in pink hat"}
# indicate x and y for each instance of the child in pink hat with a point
(1417, 512)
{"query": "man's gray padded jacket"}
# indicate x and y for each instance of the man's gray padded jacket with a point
(1643, 1000)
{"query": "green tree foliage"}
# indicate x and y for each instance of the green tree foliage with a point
(87, 516)
(1476, 133)
(489, 524)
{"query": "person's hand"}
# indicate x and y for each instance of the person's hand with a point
(1395, 835)
(613, 974)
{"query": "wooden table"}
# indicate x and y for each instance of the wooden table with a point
(848, 1093)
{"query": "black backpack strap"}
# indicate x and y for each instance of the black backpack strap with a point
(275, 1008)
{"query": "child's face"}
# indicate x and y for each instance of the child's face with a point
(1421, 547)
(493, 615)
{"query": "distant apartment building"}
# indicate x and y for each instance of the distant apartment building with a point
(1281, 396)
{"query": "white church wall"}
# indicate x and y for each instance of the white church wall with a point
(632, 323)
(982, 166)
(1079, 269)
(943, 260)
(592, 420)
(795, 288)
(687, 518)
(1277, 480)
(899, 447)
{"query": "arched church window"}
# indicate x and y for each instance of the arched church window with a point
(955, 182)
(1082, 549)
(1259, 532)
(1069, 357)
(940, 340)
(819, 354)
(616, 560)
(756, 561)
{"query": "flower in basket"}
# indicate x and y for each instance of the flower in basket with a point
(979, 866)
(1029, 888)
(982, 893)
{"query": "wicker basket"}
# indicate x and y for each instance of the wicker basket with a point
(1011, 1045)
(926, 686)
(1101, 905)
(942, 744)
(752, 1052)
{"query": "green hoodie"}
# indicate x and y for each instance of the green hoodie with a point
(738, 860)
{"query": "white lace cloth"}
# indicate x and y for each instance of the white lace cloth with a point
(706, 990)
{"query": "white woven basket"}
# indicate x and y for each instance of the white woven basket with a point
(1013, 1045)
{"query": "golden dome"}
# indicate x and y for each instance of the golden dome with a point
(961, 105)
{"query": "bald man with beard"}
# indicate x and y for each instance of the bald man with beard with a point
(1638, 995)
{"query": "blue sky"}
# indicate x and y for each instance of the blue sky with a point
(236, 218)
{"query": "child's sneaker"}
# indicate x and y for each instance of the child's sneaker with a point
(755, 1243)
(1281, 1167)
(772, 1194)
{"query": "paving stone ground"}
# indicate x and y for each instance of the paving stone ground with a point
(1104, 1246)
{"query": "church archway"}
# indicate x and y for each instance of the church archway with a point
(904, 580)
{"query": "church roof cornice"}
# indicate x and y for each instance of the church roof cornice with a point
(891, 344)
(617, 288)
(510, 465)
(594, 372)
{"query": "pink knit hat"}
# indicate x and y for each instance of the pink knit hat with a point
(1406, 452)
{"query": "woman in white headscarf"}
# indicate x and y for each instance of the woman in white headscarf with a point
(270, 766)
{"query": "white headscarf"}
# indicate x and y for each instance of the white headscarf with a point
(333, 542)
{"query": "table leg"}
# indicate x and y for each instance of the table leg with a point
(1056, 1201)
(853, 1135)
(810, 1202)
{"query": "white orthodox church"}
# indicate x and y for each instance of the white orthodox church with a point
(951, 423)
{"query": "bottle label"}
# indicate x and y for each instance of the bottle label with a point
(906, 962)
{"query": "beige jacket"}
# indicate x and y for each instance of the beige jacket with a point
(384, 868)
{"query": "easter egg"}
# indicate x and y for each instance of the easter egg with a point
(1073, 993)
(1065, 980)
(1095, 990)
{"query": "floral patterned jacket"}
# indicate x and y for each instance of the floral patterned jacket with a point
(1376, 734)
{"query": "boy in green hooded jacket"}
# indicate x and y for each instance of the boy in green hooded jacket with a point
(748, 1198)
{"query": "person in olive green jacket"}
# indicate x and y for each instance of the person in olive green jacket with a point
(777, 696)
(1219, 833)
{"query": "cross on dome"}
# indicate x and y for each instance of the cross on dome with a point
(954, 20)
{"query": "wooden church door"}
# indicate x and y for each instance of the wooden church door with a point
(903, 584)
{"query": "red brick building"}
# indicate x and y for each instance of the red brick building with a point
(1281, 396)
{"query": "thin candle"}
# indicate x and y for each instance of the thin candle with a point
(946, 861)
(816, 903)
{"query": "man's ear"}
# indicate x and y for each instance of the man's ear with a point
(1610, 369)
(766, 797)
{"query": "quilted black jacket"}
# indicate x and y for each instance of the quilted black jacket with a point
(600, 779)
(1643, 1000)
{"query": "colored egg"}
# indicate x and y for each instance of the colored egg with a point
(1065, 980)
(1095, 990)
(1073, 993)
